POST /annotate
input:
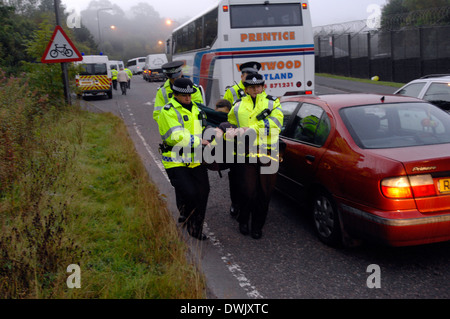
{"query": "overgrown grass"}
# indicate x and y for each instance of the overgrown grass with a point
(386, 83)
(76, 192)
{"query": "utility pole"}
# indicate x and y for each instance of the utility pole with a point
(65, 75)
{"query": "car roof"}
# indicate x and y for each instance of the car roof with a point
(338, 101)
(430, 78)
(445, 77)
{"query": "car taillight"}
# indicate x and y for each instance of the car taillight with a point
(422, 185)
(408, 187)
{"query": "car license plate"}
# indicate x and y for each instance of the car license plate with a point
(86, 83)
(444, 185)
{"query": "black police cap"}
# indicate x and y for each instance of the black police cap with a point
(172, 69)
(254, 79)
(183, 86)
(250, 67)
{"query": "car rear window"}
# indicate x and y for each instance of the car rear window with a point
(412, 89)
(439, 94)
(93, 69)
(397, 125)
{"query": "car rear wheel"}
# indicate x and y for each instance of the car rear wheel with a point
(326, 219)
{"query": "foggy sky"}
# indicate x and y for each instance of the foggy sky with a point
(323, 12)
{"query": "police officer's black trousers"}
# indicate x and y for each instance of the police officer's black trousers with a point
(191, 191)
(255, 190)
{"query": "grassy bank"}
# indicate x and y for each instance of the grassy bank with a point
(386, 83)
(76, 192)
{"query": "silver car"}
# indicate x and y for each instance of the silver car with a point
(433, 88)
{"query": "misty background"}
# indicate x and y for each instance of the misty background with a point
(137, 28)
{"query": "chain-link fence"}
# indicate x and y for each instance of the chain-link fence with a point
(400, 49)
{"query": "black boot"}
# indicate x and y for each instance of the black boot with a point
(243, 228)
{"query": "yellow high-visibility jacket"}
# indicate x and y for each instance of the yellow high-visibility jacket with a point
(233, 93)
(130, 74)
(244, 113)
(180, 129)
(165, 93)
(114, 73)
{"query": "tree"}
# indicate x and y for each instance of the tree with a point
(19, 25)
(15, 30)
(400, 13)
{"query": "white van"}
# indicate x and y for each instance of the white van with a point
(136, 65)
(94, 76)
(152, 68)
(116, 64)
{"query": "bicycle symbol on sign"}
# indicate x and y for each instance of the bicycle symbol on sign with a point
(61, 49)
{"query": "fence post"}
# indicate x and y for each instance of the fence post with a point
(421, 53)
(318, 54)
(349, 65)
(369, 55)
(391, 33)
(332, 55)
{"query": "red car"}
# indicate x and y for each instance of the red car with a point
(371, 166)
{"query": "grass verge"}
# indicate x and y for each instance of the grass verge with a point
(85, 198)
(394, 84)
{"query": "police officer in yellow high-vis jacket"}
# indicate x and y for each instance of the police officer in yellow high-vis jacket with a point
(181, 124)
(237, 91)
(130, 75)
(258, 115)
(233, 94)
(114, 77)
(173, 71)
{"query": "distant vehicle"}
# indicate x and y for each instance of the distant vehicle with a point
(136, 65)
(95, 76)
(116, 64)
(433, 88)
(152, 68)
(369, 166)
(276, 33)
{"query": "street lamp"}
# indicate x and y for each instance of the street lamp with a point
(98, 22)
(170, 22)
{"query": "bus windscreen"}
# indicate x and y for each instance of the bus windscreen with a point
(265, 15)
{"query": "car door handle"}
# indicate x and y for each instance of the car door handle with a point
(310, 158)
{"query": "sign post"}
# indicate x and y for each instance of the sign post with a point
(61, 50)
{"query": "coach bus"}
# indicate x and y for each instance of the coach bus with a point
(276, 33)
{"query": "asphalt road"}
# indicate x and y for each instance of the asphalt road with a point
(288, 262)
